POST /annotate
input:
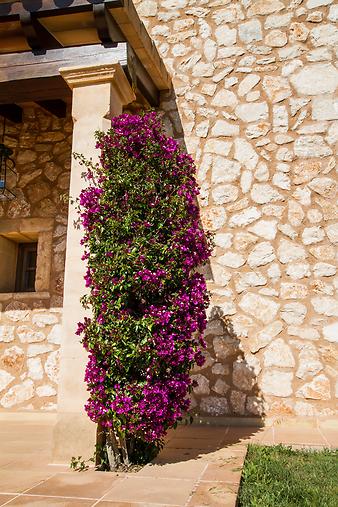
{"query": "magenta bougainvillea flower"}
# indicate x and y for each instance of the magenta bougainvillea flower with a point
(143, 241)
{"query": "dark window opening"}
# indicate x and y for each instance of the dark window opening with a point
(26, 267)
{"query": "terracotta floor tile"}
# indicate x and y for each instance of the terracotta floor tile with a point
(331, 435)
(44, 501)
(6, 498)
(194, 443)
(215, 494)
(226, 472)
(200, 432)
(128, 504)
(19, 481)
(152, 490)
(84, 484)
(182, 470)
(173, 455)
(298, 436)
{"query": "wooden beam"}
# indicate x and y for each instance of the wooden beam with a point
(33, 90)
(141, 79)
(56, 107)
(21, 66)
(52, 6)
(38, 38)
(11, 112)
(107, 29)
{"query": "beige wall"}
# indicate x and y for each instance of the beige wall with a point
(255, 85)
(30, 324)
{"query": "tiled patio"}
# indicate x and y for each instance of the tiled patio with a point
(199, 466)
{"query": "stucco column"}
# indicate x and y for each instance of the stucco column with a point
(99, 92)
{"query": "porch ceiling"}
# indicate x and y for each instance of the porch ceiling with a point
(39, 36)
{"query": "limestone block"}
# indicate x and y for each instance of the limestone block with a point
(266, 229)
(325, 107)
(232, 260)
(261, 308)
(223, 239)
(306, 333)
(13, 358)
(312, 235)
(245, 154)
(276, 38)
(35, 370)
(311, 146)
(220, 387)
(202, 387)
(38, 348)
(247, 84)
(278, 353)
(224, 347)
(250, 31)
(245, 217)
(277, 383)
(223, 128)
(325, 305)
(5, 379)
(332, 233)
(252, 112)
(308, 362)
(263, 193)
(324, 35)
(224, 98)
(317, 389)
(293, 291)
(237, 400)
(52, 366)
(263, 7)
(28, 335)
(225, 36)
(18, 394)
(262, 254)
(324, 269)
(225, 193)
(214, 406)
(242, 376)
(265, 336)
(277, 88)
(6, 334)
(330, 332)
(298, 270)
(289, 251)
(45, 391)
(250, 279)
(293, 313)
(299, 32)
(254, 405)
(214, 218)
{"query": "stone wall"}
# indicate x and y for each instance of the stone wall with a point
(254, 84)
(30, 330)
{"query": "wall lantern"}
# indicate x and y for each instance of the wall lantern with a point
(7, 170)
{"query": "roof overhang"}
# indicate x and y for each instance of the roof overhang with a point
(37, 37)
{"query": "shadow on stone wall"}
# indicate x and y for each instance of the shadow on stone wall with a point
(227, 383)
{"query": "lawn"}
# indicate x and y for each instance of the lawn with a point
(281, 477)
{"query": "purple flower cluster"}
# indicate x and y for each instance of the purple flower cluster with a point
(143, 242)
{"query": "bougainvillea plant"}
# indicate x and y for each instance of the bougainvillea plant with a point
(142, 244)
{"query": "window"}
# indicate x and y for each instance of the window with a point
(25, 255)
(26, 267)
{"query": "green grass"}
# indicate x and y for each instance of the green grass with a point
(281, 477)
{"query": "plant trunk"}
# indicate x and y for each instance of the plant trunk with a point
(113, 451)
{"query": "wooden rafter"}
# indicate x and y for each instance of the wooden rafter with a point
(108, 31)
(56, 107)
(11, 112)
(38, 38)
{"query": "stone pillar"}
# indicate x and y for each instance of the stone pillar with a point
(99, 92)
